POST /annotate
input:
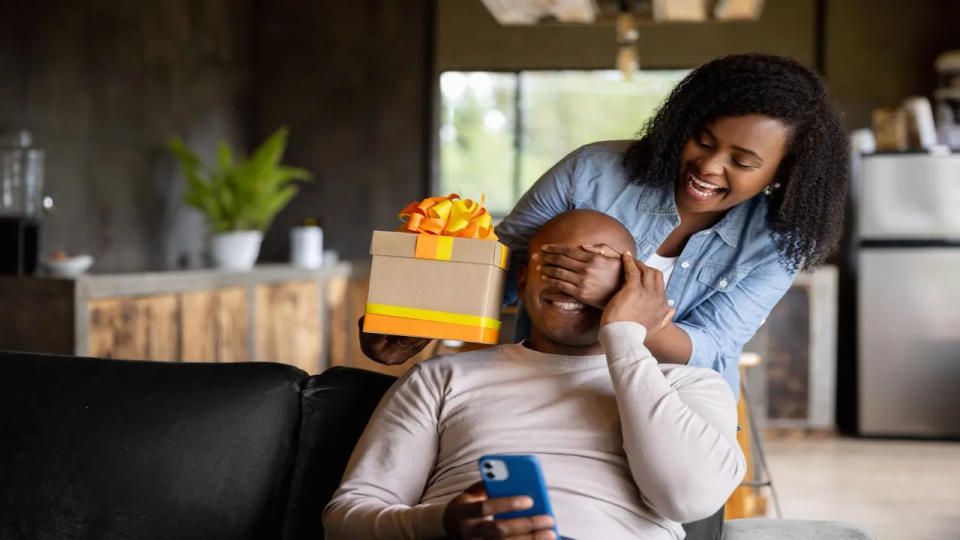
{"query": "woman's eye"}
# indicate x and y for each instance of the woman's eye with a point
(702, 144)
(743, 165)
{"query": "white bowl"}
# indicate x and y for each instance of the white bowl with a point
(70, 267)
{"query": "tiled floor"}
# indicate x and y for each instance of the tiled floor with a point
(897, 490)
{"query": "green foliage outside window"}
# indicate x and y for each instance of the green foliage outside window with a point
(481, 149)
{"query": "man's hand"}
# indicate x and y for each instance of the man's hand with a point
(470, 516)
(388, 349)
(642, 298)
(591, 274)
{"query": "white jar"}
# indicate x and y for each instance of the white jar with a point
(306, 246)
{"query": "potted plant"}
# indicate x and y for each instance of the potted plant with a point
(239, 198)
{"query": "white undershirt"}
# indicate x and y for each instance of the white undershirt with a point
(663, 264)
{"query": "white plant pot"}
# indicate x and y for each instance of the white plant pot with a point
(236, 250)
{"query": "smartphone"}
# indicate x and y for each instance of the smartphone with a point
(518, 474)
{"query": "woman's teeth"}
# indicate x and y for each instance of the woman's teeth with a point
(703, 189)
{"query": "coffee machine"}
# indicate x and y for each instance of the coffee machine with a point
(21, 200)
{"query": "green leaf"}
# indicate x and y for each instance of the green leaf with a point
(270, 153)
(294, 173)
(224, 156)
(273, 204)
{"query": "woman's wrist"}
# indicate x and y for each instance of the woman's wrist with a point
(669, 344)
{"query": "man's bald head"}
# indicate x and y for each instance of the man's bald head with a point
(584, 228)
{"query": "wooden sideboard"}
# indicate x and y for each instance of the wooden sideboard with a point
(275, 313)
(308, 318)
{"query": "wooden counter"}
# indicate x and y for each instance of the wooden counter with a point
(276, 313)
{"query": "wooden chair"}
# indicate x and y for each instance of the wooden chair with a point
(747, 501)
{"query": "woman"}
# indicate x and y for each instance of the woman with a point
(737, 183)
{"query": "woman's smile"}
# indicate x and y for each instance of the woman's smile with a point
(702, 190)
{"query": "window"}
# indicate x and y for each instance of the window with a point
(500, 131)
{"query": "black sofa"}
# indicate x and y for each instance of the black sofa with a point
(94, 448)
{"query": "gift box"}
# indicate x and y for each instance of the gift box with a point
(441, 276)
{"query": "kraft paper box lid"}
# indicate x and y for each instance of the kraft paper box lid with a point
(468, 282)
(435, 247)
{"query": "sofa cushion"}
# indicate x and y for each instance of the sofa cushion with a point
(791, 529)
(336, 407)
(104, 449)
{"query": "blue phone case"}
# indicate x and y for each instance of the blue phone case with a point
(523, 477)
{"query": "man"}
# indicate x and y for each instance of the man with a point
(629, 448)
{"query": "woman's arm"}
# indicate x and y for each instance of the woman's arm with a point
(671, 345)
(551, 195)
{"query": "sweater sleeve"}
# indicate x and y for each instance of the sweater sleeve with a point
(390, 466)
(680, 438)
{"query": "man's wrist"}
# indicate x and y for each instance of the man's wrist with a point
(613, 334)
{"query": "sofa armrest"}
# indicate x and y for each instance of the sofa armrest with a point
(791, 529)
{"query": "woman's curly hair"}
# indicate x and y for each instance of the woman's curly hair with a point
(807, 211)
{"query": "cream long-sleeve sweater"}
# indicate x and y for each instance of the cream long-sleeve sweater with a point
(629, 448)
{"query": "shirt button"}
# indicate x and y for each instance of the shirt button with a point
(685, 264)
(723, 283)
(670, 303)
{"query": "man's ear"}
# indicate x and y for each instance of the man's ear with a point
(521, 279)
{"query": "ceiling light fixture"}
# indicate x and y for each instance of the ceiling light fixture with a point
(513, 12)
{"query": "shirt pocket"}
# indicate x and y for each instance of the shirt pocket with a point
(720, 278)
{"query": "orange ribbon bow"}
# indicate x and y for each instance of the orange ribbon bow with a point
(448, 216)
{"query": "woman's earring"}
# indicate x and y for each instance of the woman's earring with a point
(768, 191)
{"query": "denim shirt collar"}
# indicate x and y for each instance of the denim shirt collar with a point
(663, 203)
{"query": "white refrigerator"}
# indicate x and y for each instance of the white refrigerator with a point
(908, 295)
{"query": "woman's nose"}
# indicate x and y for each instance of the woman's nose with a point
(711, 164)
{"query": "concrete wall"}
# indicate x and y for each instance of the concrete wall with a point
(881, 51)
(352, 80)
(102, 85)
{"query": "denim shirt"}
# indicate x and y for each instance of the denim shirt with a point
(726, 280)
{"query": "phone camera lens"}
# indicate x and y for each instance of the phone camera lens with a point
(490, 475)
(488, 465)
